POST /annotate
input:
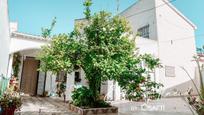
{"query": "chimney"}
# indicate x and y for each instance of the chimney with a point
(13, 26)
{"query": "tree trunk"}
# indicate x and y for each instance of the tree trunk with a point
(94, 85)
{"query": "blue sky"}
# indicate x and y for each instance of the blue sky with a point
(32, 15)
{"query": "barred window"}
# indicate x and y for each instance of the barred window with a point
(144, 31)
(170, 71)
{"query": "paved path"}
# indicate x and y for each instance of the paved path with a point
(44, 106)
(56, 106)
(165, 106)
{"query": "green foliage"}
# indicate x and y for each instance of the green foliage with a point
(104, 50)
(9, 101)
(196, 102)
(87, 12)
(62, 54)
(200, 68)
(61, 88)
(136, 80)
(10, 98)
(108, 47)
(83, 97)
(16, 64)
(46, 32)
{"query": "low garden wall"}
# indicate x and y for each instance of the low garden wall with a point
(94, 111)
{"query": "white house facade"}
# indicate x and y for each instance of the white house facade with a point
(174, 37)
(164, 32)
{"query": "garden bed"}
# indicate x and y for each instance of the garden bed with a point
(94, 111)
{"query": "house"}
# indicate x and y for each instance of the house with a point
(167, 34)
(173, 35)
(164, 32)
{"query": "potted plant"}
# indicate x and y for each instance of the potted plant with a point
(196, 103)
(10, 102)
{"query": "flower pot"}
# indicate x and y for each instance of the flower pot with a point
(8, 111)
(201, 112)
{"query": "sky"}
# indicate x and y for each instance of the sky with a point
(32, 15)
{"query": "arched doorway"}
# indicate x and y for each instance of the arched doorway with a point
(29, 77)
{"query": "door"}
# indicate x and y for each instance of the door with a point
(29, 76)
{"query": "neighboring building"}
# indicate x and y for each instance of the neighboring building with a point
(174, 38)
(4, 37)
(165, 32)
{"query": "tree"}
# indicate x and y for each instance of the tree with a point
(87, 11)
(136, 79)
(60, 55)
(46, 32)
(103, 50)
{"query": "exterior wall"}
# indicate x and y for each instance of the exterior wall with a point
(71, 83)
(176, 44)
(4, 37)
(70, 86)
(147, 46)
(41, 83)
(16, 44)
(137, 18)
(51, 85)
(13, 26)
(174, 40)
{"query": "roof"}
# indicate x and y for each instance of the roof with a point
(29, 36)
(169, 5)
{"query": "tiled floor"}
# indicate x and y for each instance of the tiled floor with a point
(44, 106)
(56, 106)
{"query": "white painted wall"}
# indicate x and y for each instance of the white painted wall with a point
(21, 43)
(4, 37)
(70, 86)
(174, 39)
(41, 83)
(137, 18)
(176, 44)
(51, 85)
(71, 83)
(13, 26)
(148, 46)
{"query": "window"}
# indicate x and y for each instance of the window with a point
(170, 71)
(77, 77)
(144, 31)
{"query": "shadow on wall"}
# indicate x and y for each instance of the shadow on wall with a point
(183, 88)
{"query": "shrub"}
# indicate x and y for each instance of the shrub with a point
(83, 97)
